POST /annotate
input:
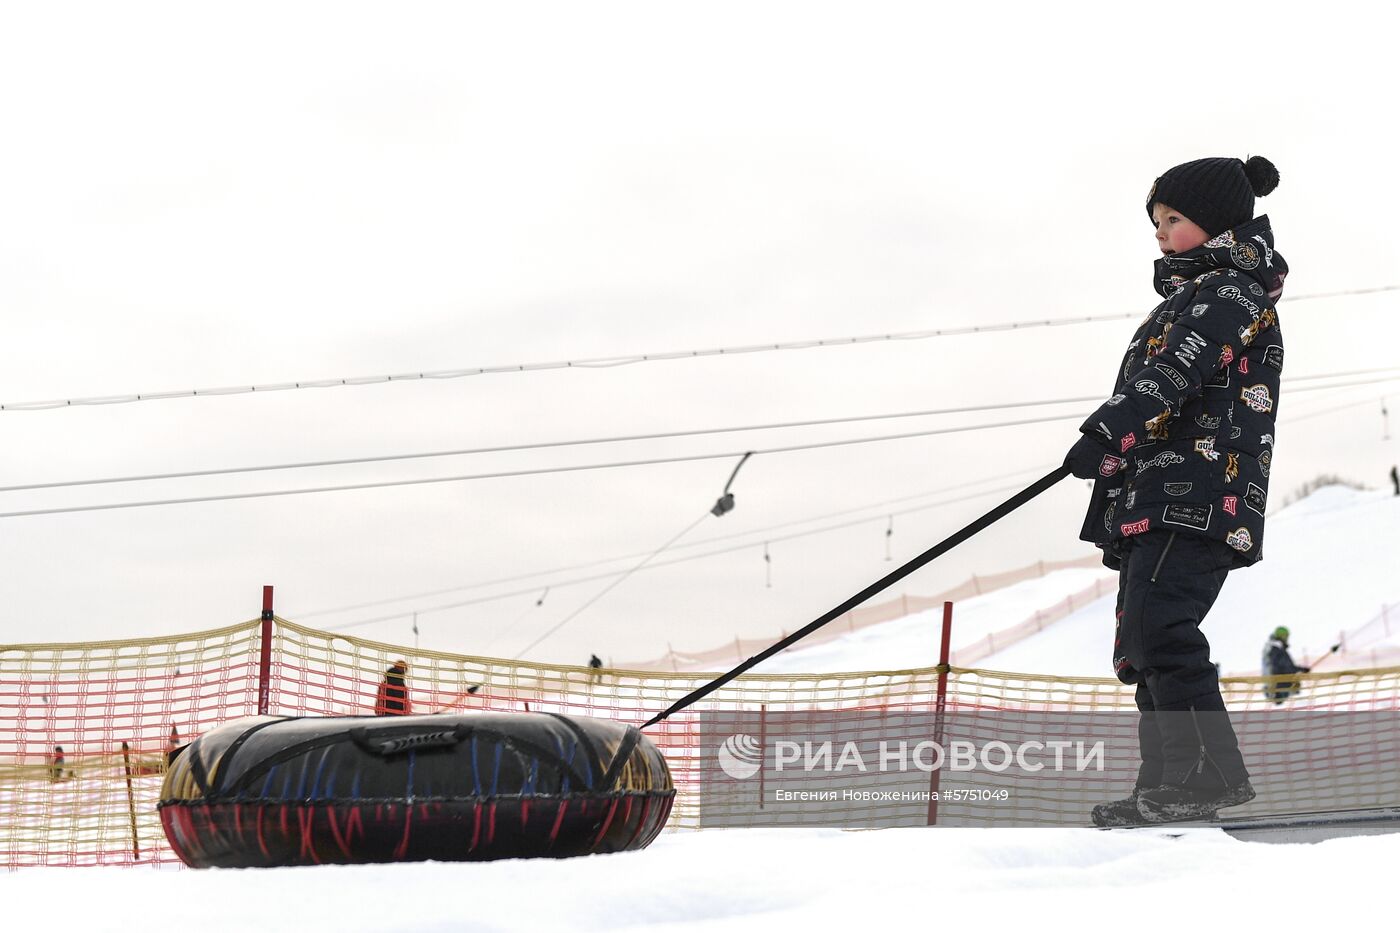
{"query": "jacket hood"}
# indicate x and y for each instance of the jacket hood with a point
(1247, 248)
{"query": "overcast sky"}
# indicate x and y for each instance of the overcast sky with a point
(272, 192)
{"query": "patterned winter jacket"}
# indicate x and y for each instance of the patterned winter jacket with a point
(1191, 420)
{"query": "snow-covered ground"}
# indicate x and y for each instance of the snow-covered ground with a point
(1330, 565)
(760, 880)
(1331, 561)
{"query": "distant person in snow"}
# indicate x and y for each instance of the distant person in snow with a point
(1180, 456)
(392, 699)
(1395, 479)
(56, 762)
(595, 668)
(1277, 661)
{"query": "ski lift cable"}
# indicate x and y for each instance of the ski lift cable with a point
(723, 505)
(662, 435)
(386, 484)
(606, 361)
(593, 363)
(706, 541)
(423, 610)
(620, 579)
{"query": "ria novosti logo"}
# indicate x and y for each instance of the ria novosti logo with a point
(740, 756)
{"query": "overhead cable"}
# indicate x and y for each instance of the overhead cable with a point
(625, 438)
(617, 581)
(767, 529)
(457, 604)
(793, 448)
(603, 362)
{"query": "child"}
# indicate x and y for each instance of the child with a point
(1180, 455)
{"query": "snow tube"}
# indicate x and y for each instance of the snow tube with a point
(271, 791)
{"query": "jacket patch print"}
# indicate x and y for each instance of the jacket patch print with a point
(1164, 459)
(1240, 539)
(1176, 378)
(1156, 428)
(1257, 398)
(1232, 293)
(1255, 498)
(1177, 489)
(1230, 505)
(1189, 516)
(1245, 255)
(1193, 346)
(1152, 390)
(1265, 321)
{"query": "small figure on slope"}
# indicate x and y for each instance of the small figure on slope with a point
(1278, 661)
(392, 699)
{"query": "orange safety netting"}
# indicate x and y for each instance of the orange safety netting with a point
(117, 708)
(905, 605)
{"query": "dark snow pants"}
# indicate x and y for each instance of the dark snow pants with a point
(1167, 582)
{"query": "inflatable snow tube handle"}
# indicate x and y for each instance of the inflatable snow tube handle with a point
(385, 745)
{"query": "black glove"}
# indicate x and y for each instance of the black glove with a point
(1090, 458)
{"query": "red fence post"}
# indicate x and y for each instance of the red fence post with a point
(933, 778)
(265, 658)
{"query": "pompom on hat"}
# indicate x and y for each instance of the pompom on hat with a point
(1215, 194)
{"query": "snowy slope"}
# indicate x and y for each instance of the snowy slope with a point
(913, 641)
(1331, 561)
(756, 880)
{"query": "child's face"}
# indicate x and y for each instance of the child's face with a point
(1176, 234)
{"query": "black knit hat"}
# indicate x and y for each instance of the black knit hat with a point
(1214, 194)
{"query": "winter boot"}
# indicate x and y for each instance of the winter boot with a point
(1172, 802)
(1203, 771)
(1119, 812)
(1125, 812)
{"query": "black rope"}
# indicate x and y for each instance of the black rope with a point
(942, 547)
